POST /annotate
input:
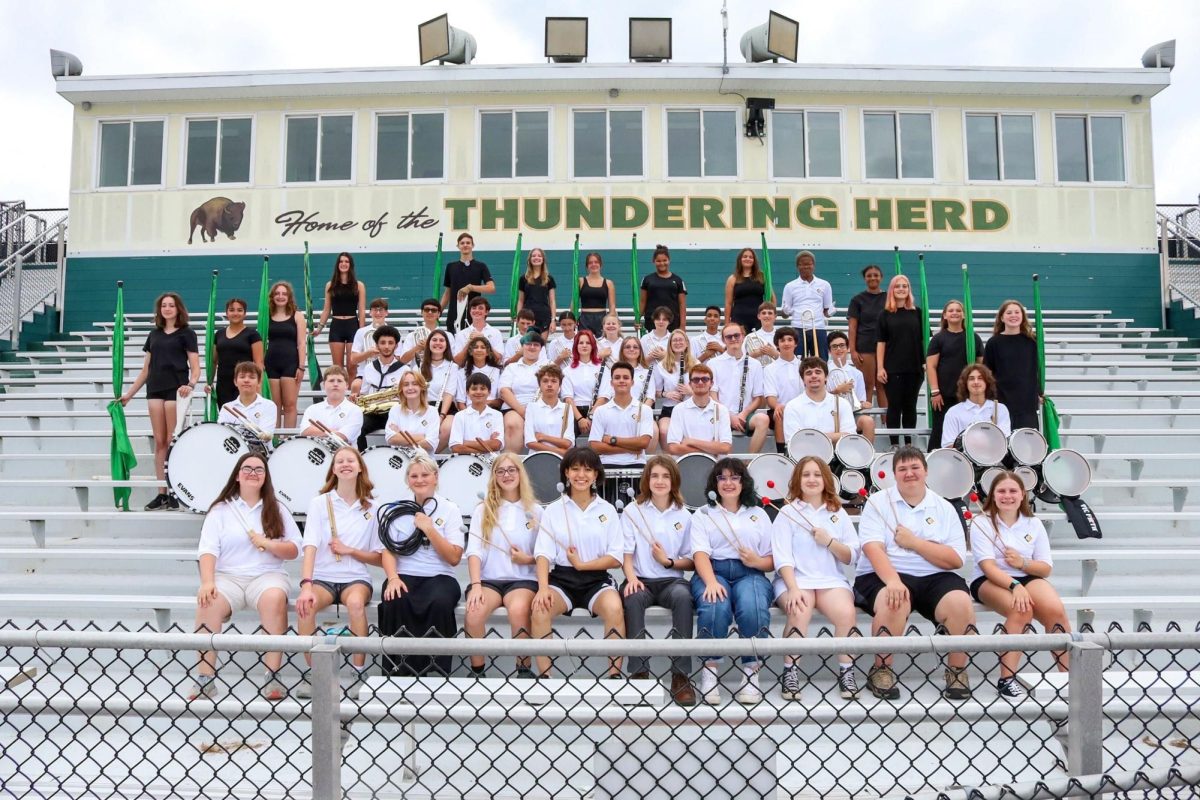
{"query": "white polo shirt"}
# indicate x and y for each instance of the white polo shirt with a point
(582, 382)
(669, 381)
(644, 524)
(689, 421)
(224, 535)
(651, 340)
(541, 418)
(966, 413)
(522, 379)
(793, 545)
(470, 425)
(410, 340)
(494, 337)
(515, 527)
(855, 375)
(558, 345)
(758, 339)
(594, 531)
(444, 382)
(815, 296)
(804, 412)
(344, 418)
(377, 376)
(261, 413)
(613, 348)
(701, 340)
(638, 387)
(781, 380)
(717, 532)
(727, 380)
(364, 338)
(1027, 536)
(425, 563)
(512, 347)
(933, 519)
(612, 419)
(357, 527)
(460, 382)
(425, 422)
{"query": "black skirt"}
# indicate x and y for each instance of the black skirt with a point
(425, 610)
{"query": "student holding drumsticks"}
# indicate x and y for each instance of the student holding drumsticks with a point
(977, 390)
(249, 407)
(335, 415)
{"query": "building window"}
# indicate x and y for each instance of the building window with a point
(1089, 148)
(131, 153)
(410, 146)
(607, 144)
(1000, 147)
(702, 144)
(218, 151)
(899, 145)
(514, 144)
(806, 144)
(320, 148)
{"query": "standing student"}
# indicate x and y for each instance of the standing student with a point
(518, 386)
(549, 420)
(658, 555)
(363, 347)
(863, 315)
(287, 351)
(248, 406)
(707, 344)
(583, 375)
(169, 372)
(382, 372)
(597, 295)
(335, 414)
(579, 540)
(745, 291)
(623, 428)
(739, 385)
(478, 428)
(662, 288)
(900, 354)
(670, 375)
(233, 344)
(699, 424)
(413, 419)
(1012, 356)
(346, 303)
(247, 535)
(536, 290)
(341, 539)
(731, 551)
(812, 541)
(944, 363)
(500, 562)
(808, 302)
(465, 280)
(414, 341)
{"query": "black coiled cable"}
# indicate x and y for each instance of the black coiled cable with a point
(389, 513)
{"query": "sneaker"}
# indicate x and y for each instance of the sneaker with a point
(881, 681)
(710, 685)
(958, 685)
(681, 690)
(791, 682)
(159, 502)
(303, 689)
(273, 690)
(525, 673)
(206, 687)
(640, 676)
(749, 694)
(479, 672)
(847, 684)
(356, 684)
(1010, 689)
(172, 503)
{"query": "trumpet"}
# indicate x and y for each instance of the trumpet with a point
(379, 402)
(808, 324)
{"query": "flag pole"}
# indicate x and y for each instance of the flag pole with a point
(968, 316)
(899, 266)
(314, 367)
(575, 278)
(264, 316)
(514, 283)
(925, 328)
(635, 297)
(210, 403)
(768, 279)
(122, 461)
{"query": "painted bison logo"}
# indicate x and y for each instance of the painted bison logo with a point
(218, 214)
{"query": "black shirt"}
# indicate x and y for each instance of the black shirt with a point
(231, 351)
(169, 358)
(1013, 360)
(662, 292)
(537, 298)
(900, 330)
(457, 276)
(951, 350)
(866, 308)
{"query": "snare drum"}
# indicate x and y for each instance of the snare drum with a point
(881, 471)
(299, 467)
(810, 442)
(951, 473)
(544, 470)
(618, 481)
(694, 469)
(201, 459)
(386, 467)
(1064, 473)
(852, 451)
(772, 472)
(1028, 476)
(988, 478)
(1026, 447)
(851, 484)
(983, 443)
(463, 480)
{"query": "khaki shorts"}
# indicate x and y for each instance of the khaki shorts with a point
(244, 593)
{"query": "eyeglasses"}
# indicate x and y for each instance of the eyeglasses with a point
(838, 345)
(253, 470)
(733, 337)
(505, 472)
(700, 379)
(729, 478)
(430, 310)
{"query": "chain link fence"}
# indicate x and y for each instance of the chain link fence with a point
(94, 713)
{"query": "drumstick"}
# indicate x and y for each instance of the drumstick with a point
(257, 431)
(807, 524)
(645, 531)
(735, 542)
(970, 517)
(249, 530)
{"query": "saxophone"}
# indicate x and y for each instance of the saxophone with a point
(379, 402)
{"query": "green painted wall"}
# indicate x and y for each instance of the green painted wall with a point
(1127, 283)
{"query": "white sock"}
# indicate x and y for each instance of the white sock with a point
(845, 667)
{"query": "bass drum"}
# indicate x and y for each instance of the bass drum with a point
(386, 467)
(771, 473)
(1064, 473)
(810, 442)
(544, 475)
(881, 472)
(1026, 447)
(694, 469)
(983, 443)
(201, 459)
(299, 467)
(951, 473)
(463, 480)
(853, 451)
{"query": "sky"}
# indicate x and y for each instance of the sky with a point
(122, 37)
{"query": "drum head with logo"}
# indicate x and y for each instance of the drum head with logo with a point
(1028, 476)
(694, 469)
(1065, 473)
(881, 471)
(983, 443)
(987, 478)
(299, 467)
(951, 474)
(463, 480)
(544, 475)
(201, 459)
(771, 472)
(1027, 446)
(854, 451)
(386, 467)
(810, 442)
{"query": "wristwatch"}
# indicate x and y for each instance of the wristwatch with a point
(612, 440)
(1012, 586)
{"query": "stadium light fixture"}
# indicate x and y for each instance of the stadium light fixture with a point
(446, 45)
(566, 39)
(649, 39)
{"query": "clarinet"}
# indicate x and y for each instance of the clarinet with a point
(595, 391)
(745, 374)
(642, 399)
(679, 384)
(445, 380)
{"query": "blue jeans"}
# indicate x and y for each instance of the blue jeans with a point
(747, 601)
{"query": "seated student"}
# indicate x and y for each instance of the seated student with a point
(559, 346)
(439, 374)
(480, 358)
(700, 424)
(579, 540)
(411, 350)
(782, 382)
(610, 340)
(512, 345)
(623, 427)
(243, 568)
(518, 386)
(341, 539)
(582, 375)
(817, 408)
(499, 553)
(853, 386)
(335, 414)
(549, 421)
(249, 407)
(707, 344)
(642, 387)
(363, 347)
(655, 341)
(658, 554)
(912, 545)
(479, 309)
(738, 380)
(382, 372)
(977, 391)
(760, 343)
(670, 375)
(479, 427)
(413, 420)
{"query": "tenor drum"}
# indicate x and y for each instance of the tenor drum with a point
(386, 467)
(1026, 447)
(951, 473)
(988, 478)
(851, 485)
(544, 473)
(983, 443)
(853, 451)
(299, 467)
(1064, 473)
(694, 469)
(201, 458)
(618, 481)
(463, 480)
(771, 472)
(810, 442)
(1028, 476)
(881, 471)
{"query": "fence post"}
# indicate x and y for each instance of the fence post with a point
(1164, 268)
(326, 722)
(60, 294)
(1085, 716)
(15, 334)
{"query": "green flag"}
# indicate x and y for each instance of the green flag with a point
(264, 316)
(314, 369)
(1049, 412)
(634, 287)
(768, 282)
(121, 458)
(437, 269)
(210, 361)
(968, 317)
(515, 282)
(899, 266)
(924, 320)
(575, 277)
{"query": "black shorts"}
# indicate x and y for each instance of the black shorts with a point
(170, 395)
(665, 412)
(925, 591)
(502, 588)
(580, 589)
(343, 330)
(975, 584)
(336, 589)
(282, 361)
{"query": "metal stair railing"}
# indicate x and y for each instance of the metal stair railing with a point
(1179, 252)
(26, 238)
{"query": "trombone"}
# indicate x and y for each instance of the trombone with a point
(808, 324)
